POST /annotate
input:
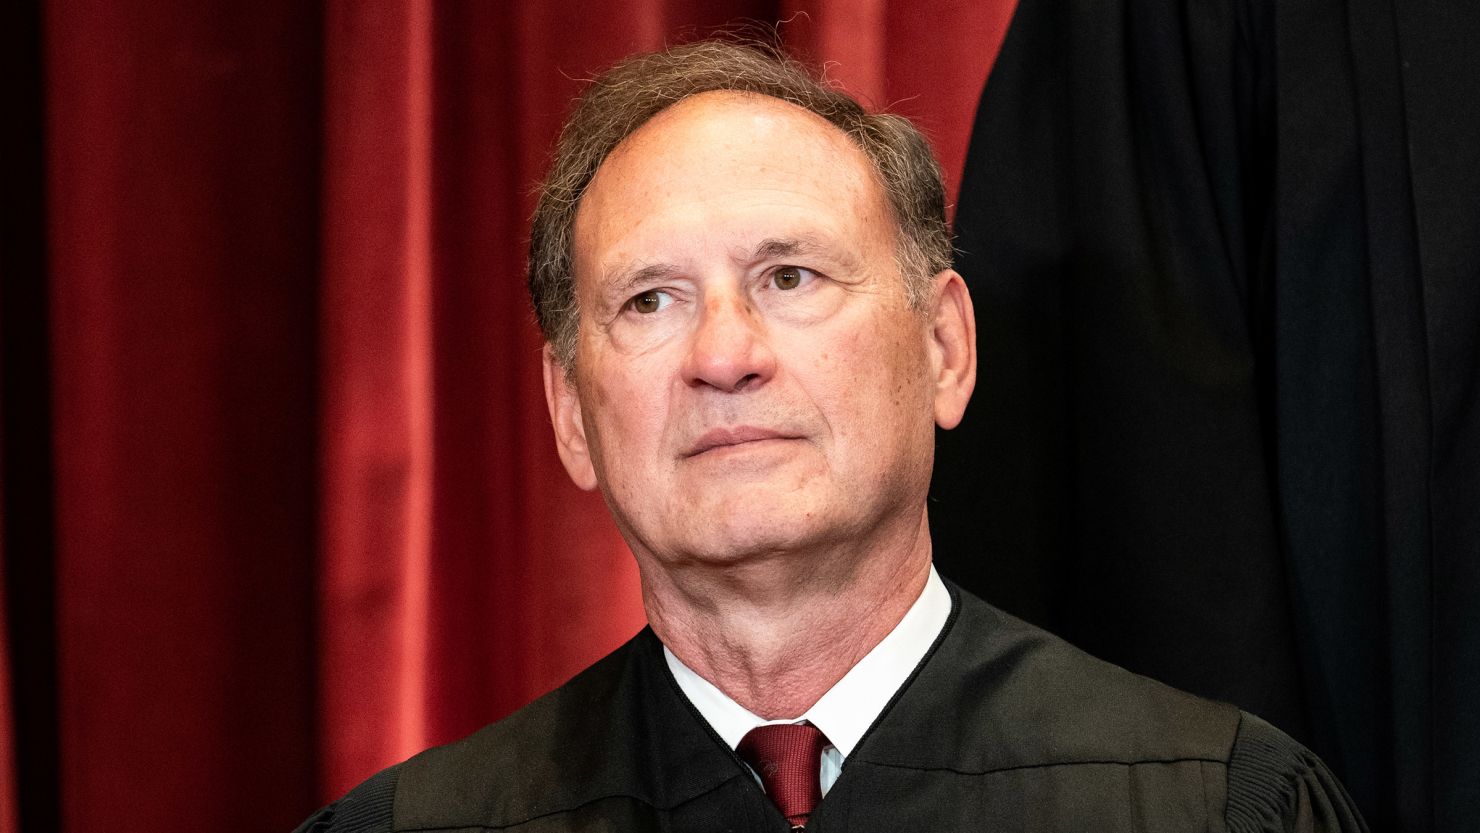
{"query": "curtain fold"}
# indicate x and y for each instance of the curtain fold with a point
(181, 185)
(308, 514)
(376, 421)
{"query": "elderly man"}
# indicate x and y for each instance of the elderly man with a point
(753, 330)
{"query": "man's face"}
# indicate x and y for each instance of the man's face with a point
(749, 377)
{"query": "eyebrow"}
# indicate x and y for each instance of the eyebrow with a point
(632, 276)
(779, 247)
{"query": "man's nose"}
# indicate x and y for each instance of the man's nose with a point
(729, 350)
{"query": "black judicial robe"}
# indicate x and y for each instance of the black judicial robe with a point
(1002, 727)
(1225, 259)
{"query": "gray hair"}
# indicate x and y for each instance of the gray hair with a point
(625, 97)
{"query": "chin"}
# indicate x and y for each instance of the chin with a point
(733, 539)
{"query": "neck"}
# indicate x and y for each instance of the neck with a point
(776, 632)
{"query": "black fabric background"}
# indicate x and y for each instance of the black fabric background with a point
(1226, 266)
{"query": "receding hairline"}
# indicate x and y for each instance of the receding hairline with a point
(877, 187)
(738, 96)
(748, 97)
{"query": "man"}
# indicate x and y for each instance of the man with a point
(753, 330)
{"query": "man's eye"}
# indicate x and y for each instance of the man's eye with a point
(650, 301)
(790, 277)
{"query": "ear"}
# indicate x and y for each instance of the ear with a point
(952, 348)
(565, 415)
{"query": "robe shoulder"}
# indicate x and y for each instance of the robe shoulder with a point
(1275, 784)
(583, 743)
(365, 809)
(1059, 739)
(1000, 694)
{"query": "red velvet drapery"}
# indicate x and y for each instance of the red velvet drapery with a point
(307, 515)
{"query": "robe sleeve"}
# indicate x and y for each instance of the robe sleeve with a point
(1279, 786)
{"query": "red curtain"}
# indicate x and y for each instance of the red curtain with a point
(307, 517)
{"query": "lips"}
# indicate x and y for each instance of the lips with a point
(719, 438)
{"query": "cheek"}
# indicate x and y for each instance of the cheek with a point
(622, 413)
(864, 379)
(885, 371)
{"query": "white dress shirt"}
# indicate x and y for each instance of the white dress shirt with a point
(850, 707)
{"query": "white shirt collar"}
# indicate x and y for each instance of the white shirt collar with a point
(850, 707)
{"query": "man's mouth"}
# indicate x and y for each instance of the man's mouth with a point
(721, 438)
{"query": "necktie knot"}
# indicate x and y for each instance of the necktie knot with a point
(787, 757)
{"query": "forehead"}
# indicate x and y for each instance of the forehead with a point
(733, 158)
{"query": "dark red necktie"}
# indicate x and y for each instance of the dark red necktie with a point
(788, 758)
